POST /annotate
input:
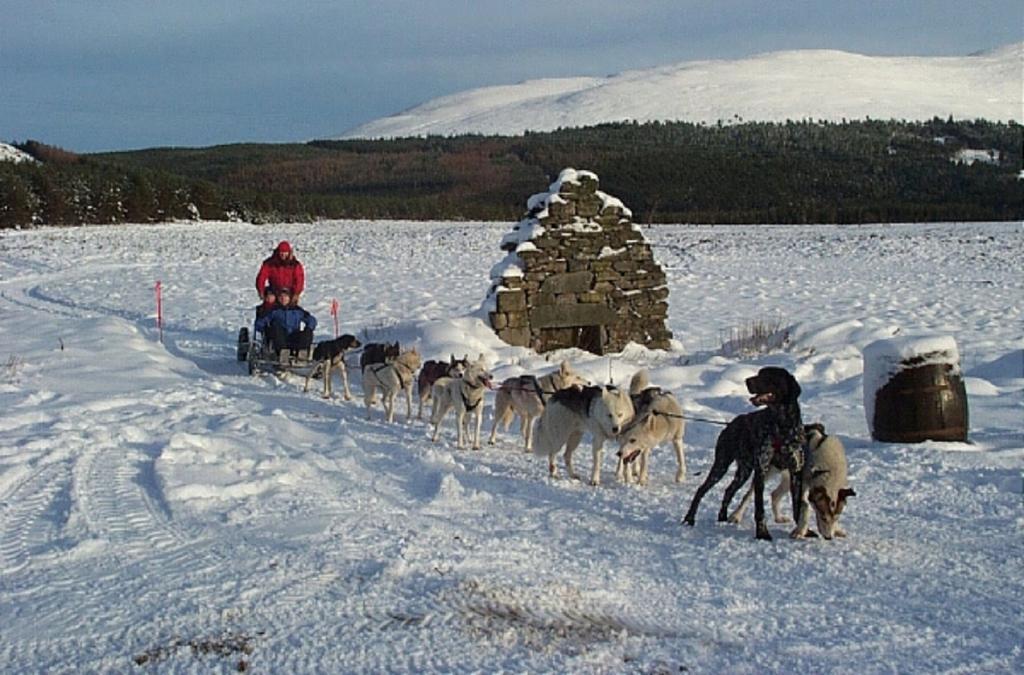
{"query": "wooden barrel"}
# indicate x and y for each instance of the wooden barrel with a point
(927, 402)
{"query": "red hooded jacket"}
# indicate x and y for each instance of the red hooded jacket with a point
(281, 274)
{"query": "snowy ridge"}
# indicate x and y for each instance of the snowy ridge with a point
(794, 85)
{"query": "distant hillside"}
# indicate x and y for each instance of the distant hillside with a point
(866, 171)
(9, 153)
(792, 85)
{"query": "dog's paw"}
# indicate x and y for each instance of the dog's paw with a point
(688, 520)
(782, 520)
(734, 519)
(762, 533)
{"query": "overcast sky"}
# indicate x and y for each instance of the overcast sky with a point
(101, 75)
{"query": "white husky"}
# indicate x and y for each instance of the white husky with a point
(465, 395)
(659, 418)
(603, 411)
(391, 377)
(524, 396)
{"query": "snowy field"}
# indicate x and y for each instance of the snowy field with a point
(162, 510)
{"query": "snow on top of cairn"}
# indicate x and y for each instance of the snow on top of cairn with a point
(537, 204)
(572, 177)
(9, 153)
(883, 359)
(607, 201)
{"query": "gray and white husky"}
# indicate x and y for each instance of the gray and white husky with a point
(391, 377)
(601, 411)
(524, 396)
(659, 418)
(464, 395)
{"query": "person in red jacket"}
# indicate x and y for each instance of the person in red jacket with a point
(281, 270)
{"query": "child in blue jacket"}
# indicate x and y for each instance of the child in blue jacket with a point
(287, 326)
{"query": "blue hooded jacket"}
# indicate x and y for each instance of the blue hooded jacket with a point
(291, 318)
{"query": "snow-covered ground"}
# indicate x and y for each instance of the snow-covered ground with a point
(160, 506)
(775, 87)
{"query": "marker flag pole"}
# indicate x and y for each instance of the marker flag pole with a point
(160, 310)
(334, 312)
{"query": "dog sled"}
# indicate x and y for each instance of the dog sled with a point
(253, 350)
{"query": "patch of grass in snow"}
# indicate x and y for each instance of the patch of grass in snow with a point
(227, 645)
(755, 338)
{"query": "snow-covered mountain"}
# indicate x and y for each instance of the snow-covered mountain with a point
(9, 153)
(804, 84)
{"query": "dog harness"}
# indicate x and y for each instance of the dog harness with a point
(470, 407)
(541, 393)
(784, 441)
(394, 367)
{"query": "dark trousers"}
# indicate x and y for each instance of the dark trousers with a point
(297, 340)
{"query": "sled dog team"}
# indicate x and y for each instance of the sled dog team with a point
(556, 410)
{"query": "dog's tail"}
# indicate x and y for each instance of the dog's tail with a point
(639, 382)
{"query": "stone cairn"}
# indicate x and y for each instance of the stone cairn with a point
(578, 273)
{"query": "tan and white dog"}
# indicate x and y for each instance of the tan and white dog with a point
(464, 395)
(524, 397)
(825, 487)
(659, 418)
(602, 411)
(391, 377)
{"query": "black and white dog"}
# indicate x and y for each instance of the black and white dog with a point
(773, 436)
(328, 356)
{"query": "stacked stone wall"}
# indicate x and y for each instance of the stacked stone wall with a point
(579, 273)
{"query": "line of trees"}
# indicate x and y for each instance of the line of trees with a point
(792, 172)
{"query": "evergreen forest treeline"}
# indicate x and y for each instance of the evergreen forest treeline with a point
(793, 172)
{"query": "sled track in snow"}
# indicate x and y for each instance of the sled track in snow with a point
(133, 546)
(24, 527)
(120, 509)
